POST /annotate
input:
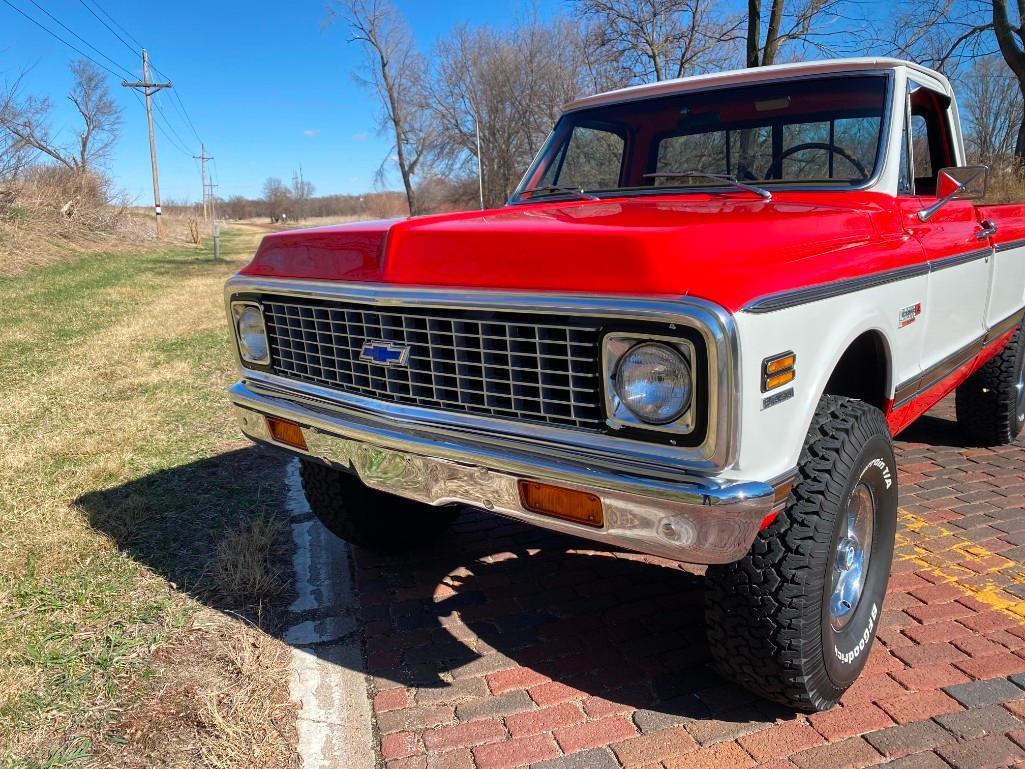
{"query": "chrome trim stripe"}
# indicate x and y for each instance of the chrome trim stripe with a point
(911, 389)
(795, 297)
(1009, 245)
(998, 330)
(713, 323)
(923, 382)
(958, 259)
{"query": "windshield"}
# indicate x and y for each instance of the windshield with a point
(811, 131)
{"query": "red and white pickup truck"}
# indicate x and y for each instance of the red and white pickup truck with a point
(692, 332)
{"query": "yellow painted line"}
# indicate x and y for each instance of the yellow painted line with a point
(914, 533)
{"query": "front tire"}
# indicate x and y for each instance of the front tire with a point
(367, 517)
(990, 404)
(795, 619)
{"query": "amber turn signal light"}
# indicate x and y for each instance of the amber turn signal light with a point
(570, 505)
(778, 371)
(286, 432)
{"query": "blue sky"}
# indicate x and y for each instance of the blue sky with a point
(266, 86)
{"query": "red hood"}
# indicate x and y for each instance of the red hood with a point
(725, 248)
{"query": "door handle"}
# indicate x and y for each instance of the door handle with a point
(987, 229)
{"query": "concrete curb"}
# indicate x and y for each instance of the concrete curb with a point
(335, 719)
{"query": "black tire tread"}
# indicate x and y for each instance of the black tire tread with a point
(986, 402)
(367, 517)
(754, 607)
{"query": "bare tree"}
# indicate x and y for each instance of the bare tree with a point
(1011, 37)
(952, 34)
(396, 72)
(992, 109)
(302, 190)
(943, 34)
(815, 24)
(660, 39)
(27, 120)
(277, 198)
(511, 85)
(14, 153)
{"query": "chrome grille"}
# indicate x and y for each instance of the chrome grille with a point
(536, 368)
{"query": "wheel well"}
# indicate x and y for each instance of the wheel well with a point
(862, 371)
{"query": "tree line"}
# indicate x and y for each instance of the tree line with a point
(503, 88)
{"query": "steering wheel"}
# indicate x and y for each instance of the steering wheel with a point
(775, 170)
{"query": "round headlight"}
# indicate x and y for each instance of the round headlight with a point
(653, 381)
(252, 336)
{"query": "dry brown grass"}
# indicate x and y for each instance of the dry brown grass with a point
(215, 701)
(1004, 185)
(244, 565)
(32, 234)
(137, 528)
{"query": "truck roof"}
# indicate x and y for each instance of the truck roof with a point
(754, 75)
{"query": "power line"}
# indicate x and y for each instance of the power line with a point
(160, 128)
(114, 21)
(90, 45)
(180, 106)
(53, 34)
(183, 145)
(183, 110)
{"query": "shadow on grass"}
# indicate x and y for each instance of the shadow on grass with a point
(490, 594)
(181, 522)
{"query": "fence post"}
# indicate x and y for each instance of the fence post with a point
(217, 240)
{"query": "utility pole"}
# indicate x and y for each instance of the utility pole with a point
(148, 89)
(202, 157)
(212, 198)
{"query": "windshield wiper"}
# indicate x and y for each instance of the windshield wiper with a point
(731, 180)
(575, 191)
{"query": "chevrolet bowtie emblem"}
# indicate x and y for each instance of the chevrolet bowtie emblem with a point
(384, 353)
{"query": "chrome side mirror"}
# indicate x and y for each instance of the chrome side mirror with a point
(959, 183)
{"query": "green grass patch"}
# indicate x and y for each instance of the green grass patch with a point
(121, 473)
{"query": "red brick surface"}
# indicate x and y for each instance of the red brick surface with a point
(501, 646)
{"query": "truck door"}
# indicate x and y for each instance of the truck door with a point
(959, 252)
(1006, 225)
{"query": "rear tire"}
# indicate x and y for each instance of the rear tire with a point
(786, 621)
(990, 404)
(367, 517)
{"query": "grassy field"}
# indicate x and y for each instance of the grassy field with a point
(142, 549)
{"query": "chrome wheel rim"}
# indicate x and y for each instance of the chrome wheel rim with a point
(850, 562)
(1020, 387)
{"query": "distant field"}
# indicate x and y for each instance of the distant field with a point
(142, 557)
(313, 221)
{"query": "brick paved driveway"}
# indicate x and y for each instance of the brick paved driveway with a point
(503, 646)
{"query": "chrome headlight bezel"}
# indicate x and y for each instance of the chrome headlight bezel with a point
(239, 311)
(615, 346)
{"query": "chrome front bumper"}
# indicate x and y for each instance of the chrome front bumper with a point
(697, 521)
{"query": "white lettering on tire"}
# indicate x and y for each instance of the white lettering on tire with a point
(884, 469)
(853, 654)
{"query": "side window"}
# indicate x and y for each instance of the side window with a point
(920, 148)
(932, 141)
(590, 160)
